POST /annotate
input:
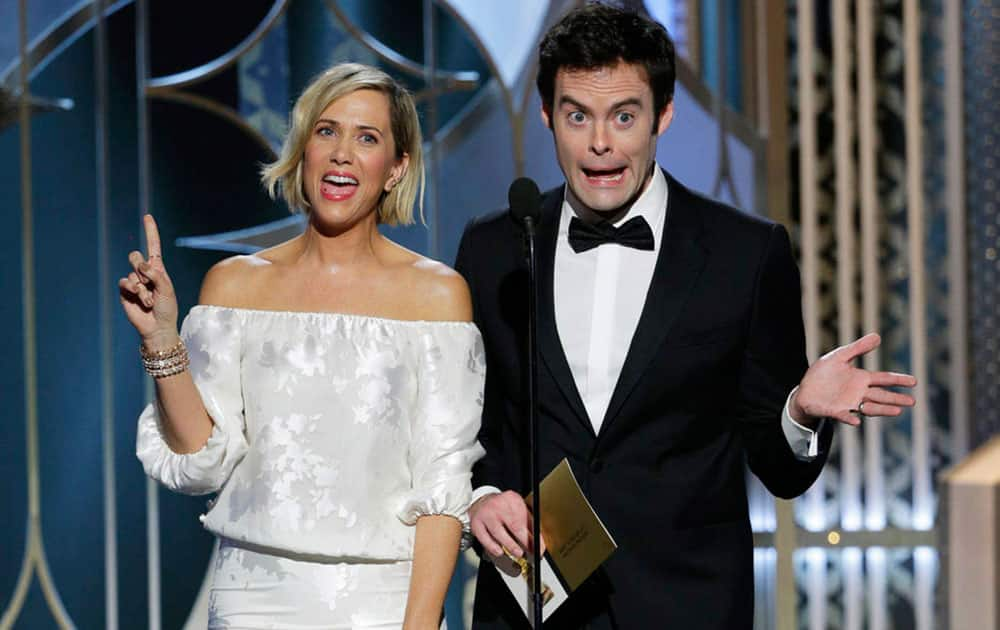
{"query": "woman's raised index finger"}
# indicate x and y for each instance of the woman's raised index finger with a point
(152, 237)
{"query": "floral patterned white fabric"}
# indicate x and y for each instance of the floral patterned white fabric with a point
(251, 589)
(333, 433)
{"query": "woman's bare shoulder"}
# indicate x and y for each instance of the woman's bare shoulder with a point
(229, 282)
(238, 281)
(438, 291)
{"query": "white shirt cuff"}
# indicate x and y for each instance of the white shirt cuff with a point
(803, 441)
(482, 491)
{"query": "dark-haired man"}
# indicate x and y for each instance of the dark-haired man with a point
(672, 351)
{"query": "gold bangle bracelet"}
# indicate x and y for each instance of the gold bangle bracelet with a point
(164, 363)
(162, 354)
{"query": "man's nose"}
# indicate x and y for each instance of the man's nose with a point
(599, 140)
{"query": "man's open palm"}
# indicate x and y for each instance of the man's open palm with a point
(833, 387)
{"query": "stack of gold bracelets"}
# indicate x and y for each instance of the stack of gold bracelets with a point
(165, 362)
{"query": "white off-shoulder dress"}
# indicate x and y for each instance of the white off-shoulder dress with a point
(333, 434)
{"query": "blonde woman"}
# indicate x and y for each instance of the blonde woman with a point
(329, 388)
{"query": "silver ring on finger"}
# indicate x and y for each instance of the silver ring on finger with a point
(860, 409)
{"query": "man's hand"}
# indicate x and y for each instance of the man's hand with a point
(502, 520)
(834, 388)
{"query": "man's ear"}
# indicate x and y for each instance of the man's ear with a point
(546, 116)
(666, 117)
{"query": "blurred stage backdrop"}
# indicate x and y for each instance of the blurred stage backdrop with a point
(869, 127)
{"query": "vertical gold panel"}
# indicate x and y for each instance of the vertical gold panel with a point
(108, 298)
(957, 253)
(875, 509)
(145, 205)
(694, 34)
(749, 68)
(922, 490)
(787, 592)
(850, 461)
(775, 110)
(807, 176)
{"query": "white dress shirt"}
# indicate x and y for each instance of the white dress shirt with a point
(599, 296)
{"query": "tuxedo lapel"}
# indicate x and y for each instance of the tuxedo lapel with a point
(549, 345)
(678, 267)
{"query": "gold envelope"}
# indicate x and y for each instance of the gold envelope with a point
(575, 538)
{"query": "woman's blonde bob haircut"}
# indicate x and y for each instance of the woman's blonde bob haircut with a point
(284, 176)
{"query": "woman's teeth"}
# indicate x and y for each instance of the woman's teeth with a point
(339, 180)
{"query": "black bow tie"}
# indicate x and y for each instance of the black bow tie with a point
(633, 233)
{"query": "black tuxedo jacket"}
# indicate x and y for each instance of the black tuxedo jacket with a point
(718, 347)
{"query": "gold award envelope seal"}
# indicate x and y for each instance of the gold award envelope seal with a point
(514, 566)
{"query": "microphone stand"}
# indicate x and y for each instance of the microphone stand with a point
(533, 465)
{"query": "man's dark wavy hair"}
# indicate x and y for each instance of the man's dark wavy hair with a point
(599, 36)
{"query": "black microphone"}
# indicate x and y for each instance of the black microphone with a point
(525, 201)
(526, 209)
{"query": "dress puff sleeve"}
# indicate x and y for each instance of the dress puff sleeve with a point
(213, 339)
(451, 371)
